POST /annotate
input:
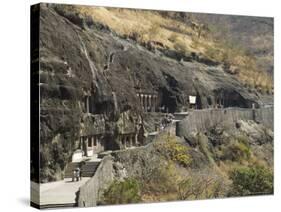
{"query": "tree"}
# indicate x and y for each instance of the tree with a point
(255, 180)
(122, 192)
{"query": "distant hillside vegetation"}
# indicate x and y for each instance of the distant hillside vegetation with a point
(253, 34)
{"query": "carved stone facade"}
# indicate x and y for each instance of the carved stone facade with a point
(92, 144)
(128, 140)
(149, 101)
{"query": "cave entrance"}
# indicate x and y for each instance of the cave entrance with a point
(168, 102)
(231, 98)
(89, 104)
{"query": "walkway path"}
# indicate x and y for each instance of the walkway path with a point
(60, 192)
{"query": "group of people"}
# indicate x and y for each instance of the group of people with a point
(76, 175)
(167, 120)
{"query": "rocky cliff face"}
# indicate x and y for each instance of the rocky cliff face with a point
(80, 58)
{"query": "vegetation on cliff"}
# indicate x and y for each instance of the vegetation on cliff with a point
(222, 162)
(255, 180)
(182, 35)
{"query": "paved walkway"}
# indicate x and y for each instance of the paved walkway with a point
(60, 192)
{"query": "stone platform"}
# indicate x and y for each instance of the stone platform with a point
(60, 193)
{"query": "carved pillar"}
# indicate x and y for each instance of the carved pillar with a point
(98, 142)
(86, 145)
(142, 100)
(145, 100)
(81, 143)
(124, 141)
(155, 102)
(152, 104)
(121, 141)
(149, 102)
(131, 140)
(87, 104)
(92, 143)
(136, 139)
(128, 141)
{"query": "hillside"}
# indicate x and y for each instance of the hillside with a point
(253, 34)
(243, 44)
(105, 57)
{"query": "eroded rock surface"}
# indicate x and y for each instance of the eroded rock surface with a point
(80, 58)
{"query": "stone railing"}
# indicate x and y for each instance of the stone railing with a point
(89, 194)
(202, 120)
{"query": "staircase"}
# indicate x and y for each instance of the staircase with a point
(89, 168)
(69, 169)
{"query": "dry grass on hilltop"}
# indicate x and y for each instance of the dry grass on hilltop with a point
(147, 26)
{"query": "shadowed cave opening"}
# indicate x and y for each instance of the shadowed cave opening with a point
(231, 98)
(168, 101)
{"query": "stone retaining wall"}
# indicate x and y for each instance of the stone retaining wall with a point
(202, 120)
(89, 194)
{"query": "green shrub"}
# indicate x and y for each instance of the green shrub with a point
(237, 150)
(173, 150)
(251, 181)
(122, 192)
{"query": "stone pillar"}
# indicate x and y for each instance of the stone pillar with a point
(98, 142)
(131, 140)
(254, 111)
(87, 104)
(81, 143)
(137, 96)
(127, 141)
(136, 139)
(142, 100)
(124, 141)
(152, 103)
(149, 102)
(86, 145)
(155, 102)
(93, 143)
(145, 103)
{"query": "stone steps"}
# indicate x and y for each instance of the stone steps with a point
(89, 168)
